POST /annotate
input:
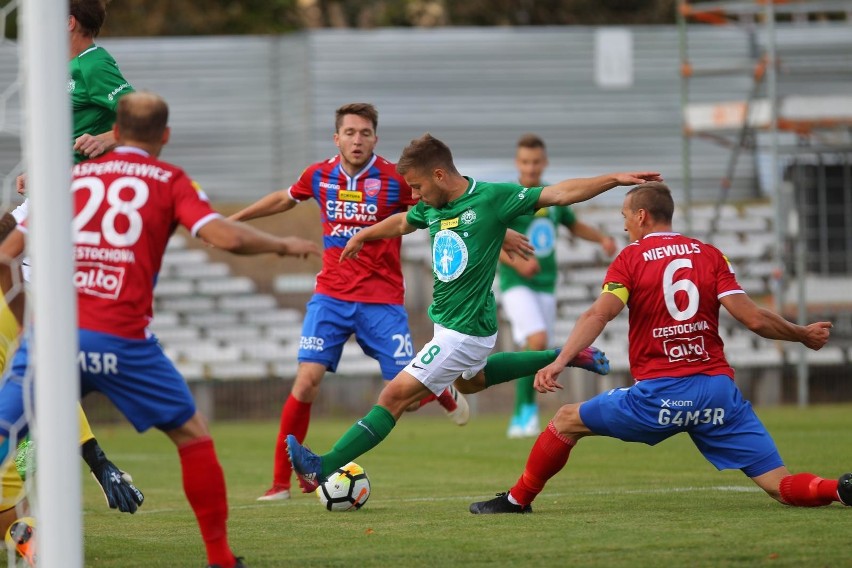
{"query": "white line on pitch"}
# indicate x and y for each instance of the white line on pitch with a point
(310, 502)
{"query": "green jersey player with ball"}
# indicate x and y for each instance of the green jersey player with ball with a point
(467, 220)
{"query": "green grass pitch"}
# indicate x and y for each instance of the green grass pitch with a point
(614, 504)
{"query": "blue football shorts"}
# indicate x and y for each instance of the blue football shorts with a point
(380, 329)
(711, 409)
(134, 374)
(12, 408)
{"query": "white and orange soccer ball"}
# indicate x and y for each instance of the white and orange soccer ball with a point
(346, 489)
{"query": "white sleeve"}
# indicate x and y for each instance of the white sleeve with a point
(20, 212)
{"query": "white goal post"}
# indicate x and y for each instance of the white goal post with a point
(47, 131)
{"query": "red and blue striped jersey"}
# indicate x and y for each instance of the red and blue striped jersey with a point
(347, 205)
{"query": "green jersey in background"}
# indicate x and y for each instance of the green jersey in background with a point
(541, 229)
(95, 85)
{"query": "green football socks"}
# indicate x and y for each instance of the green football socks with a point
(361, 437)
(508, 366)
(524, 393)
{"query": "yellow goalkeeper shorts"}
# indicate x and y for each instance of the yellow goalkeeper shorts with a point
(12, 489)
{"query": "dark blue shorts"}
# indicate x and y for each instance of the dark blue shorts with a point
(710, 409)
(135, 374)
(380, 329)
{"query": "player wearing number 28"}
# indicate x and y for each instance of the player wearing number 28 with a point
(127, 203)
(674, 286)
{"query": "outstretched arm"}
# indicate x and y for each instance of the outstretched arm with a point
(240, 238)
(394, 226)
(275, 202)
(770, 325)
(580, 189)
(588, 327)
(591, 234)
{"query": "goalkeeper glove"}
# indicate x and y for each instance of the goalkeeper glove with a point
(117, 485)
(25, 457)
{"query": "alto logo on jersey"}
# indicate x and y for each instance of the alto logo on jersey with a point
(96, 279)
(372, 187)
(449, 256)
(685, 349)
(523, 193)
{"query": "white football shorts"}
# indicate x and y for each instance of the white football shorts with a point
(529, 312)
(449, 355)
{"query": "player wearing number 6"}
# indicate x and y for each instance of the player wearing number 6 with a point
(127, 204)
(674, 286)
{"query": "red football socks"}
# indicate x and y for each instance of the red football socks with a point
(204, 486)
(295, 418)
(447, 400)
(427, 399)
(808, 490)
(548, 456)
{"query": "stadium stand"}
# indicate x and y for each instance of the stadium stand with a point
(216, 325)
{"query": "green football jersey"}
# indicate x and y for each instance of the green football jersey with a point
(95, 85)
(467, 235)
(541, 229)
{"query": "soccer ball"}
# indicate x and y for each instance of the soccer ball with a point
(347, 489)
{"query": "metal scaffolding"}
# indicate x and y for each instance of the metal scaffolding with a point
(818, 125)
